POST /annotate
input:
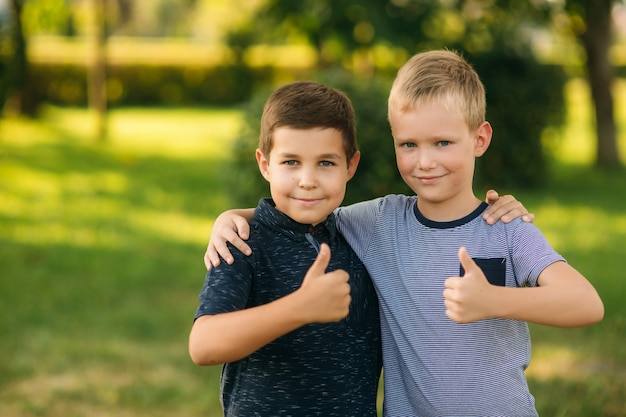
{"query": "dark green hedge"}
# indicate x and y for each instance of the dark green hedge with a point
(148, 85)
(523, 99)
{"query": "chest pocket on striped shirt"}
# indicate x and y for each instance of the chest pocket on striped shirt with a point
(493, 268)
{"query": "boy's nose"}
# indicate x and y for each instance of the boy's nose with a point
(307, 179)
(425, 160)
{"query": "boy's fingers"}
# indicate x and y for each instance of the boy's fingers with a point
(220, 248)
(210, 258)
(239, 244)
(505, 209)
(492, 196)
(242, 227)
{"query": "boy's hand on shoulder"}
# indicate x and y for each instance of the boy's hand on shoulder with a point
(325, 296)
(228, 227)
(505, 208)
(468, 298)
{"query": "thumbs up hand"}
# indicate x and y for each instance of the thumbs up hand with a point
(325, 296)
(468, 298)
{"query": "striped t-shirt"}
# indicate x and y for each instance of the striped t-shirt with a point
(434, 366)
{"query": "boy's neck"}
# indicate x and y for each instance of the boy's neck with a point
(448, 210)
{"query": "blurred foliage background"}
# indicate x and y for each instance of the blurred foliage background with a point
(126, 126)
(116, 53)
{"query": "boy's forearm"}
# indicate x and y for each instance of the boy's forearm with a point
(232, 336)
(246, 213)
(570, 302)
(542, 306)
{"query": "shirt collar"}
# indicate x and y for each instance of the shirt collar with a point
(267, 214)
(451, 224)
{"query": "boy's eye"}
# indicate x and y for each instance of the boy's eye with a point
(443, 143)
(327, 163)
(290, 162)
(408, 145)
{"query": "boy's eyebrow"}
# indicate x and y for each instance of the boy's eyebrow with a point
(331, 155)
(430, 138)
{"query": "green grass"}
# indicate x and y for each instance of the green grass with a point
(101, 252)
(101, 262)
(582, 372)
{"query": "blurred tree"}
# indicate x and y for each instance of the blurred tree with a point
(337, 28)
(151, 18)
(18, 91)
(375, 37)
(591, 22)
(97, 74)
(27, 17)
(45, 17)
(6, 54)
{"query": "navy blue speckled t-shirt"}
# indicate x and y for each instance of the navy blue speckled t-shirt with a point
(329, 369)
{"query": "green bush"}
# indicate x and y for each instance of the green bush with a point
(377, 174)
(523, 98)
(148, 85)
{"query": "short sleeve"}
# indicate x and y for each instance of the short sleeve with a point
(226, 287)
(531, 253)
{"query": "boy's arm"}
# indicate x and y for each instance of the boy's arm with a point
(232, 226)
(563, 297)
(227, 337)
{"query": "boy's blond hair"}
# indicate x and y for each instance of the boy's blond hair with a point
(308, 105)
(439, 75)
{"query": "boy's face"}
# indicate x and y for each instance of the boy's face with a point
(307, 170)
(435, 153)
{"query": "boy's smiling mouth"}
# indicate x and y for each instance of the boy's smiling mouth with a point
(430, 179)
(307, 201)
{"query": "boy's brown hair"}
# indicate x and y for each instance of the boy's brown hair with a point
(440, 75)
(307, 105)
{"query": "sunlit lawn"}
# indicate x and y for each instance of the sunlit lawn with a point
(101, 261)
(101, 252)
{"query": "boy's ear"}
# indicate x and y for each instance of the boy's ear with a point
(263, 164)
(353, 163)
(483, 139)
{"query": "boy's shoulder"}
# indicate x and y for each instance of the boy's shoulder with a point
(263, 241)
(510, 226)
(388, 201)
(368, 213)
(261, 234)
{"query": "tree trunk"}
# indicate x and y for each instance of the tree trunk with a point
(97, 71)
(597, 40)
(21, 99)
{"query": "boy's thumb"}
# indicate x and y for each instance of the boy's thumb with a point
(466, 261)
(321, 262)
